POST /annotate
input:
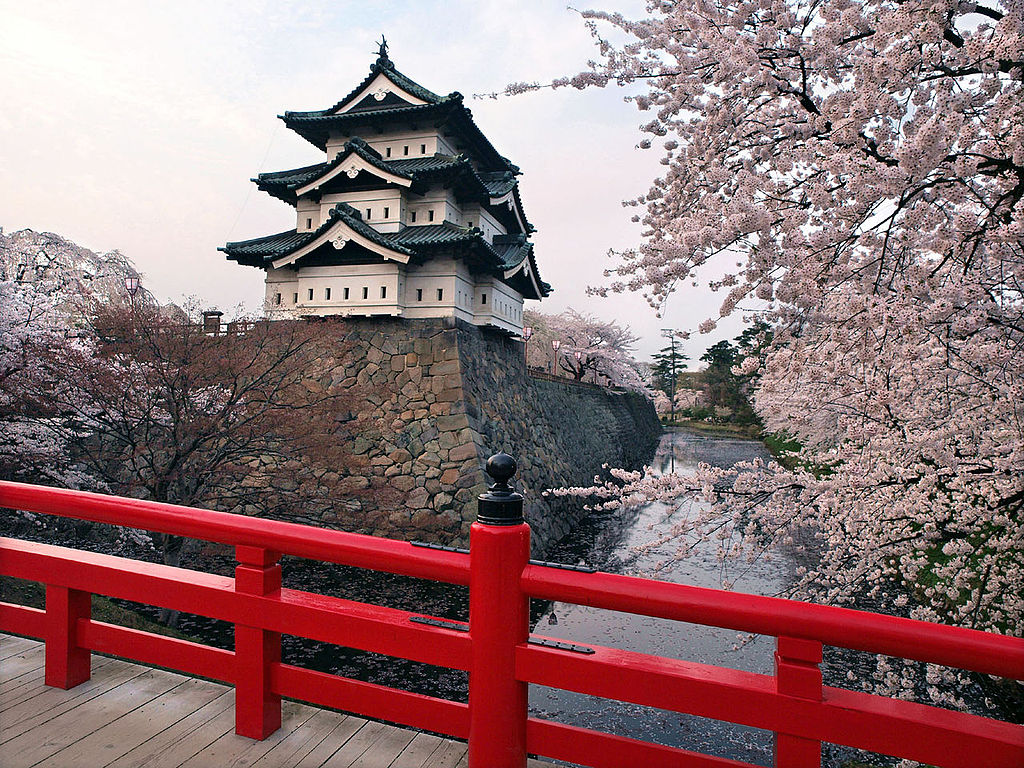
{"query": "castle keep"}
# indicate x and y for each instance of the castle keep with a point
(413, 214)
(413, 230)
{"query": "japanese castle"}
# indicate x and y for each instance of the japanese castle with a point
(413, 214)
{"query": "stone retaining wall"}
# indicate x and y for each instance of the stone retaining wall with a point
(440, 398)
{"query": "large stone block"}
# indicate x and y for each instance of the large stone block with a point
(464, 451)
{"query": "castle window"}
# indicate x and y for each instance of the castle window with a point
(309, 223)
(405, 150)
(368, 214)
(345, 296)
(309, 294)
(277, 298)
(483, 298)
(423, 149)
(366, 292)
(383, 291)
(327, 294)
(295, 298)
(419, 294)
(469, 222)
(440, 294)
(430, 215)
(387, 152)
(412, 216)
(387, 212)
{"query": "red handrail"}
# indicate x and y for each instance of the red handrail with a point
(792, 702)
(354, 549)
(984, 652)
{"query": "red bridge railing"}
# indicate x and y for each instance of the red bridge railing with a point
(496, 647)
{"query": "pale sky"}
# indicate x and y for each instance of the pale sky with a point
(137, 126)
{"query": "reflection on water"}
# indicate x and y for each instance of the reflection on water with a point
(619, 542)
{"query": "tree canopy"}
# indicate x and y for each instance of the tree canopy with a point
(605, 348)
(850, 172)
(667, 364)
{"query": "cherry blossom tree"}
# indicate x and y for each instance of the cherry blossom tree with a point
(165, 411)
(29, 447)
(851, 172)
(605, 348)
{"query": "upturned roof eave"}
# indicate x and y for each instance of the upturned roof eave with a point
(315, 126)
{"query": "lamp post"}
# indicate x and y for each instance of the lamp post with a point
(527, 333)
(555, 344)
(131, 284)
(579, 364)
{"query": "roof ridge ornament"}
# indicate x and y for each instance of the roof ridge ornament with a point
(382, 54)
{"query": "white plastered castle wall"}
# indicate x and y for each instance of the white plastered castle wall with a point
(382, 209)
(343, 289)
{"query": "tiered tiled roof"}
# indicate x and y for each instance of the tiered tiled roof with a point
(315, 126)
(455, 170)
(507, 253)
(482, 175)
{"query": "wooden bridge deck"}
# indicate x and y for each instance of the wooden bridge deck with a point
(128, 716)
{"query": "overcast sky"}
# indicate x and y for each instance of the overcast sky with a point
(137, 126)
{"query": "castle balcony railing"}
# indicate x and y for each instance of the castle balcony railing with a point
(496, 646)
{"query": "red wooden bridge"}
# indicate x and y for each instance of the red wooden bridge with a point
(496, 646)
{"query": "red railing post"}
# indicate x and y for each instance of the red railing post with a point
(257, 707)
(499, 620)
(797, 674)
(67, 664)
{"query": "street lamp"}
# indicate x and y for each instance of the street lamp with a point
(555, 344)
(578, 354)
(527, 333)
(131, 284)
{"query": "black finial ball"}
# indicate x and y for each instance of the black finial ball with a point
(500, 505)
(501, 467)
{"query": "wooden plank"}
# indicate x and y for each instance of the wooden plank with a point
(33, 684)
(119, 737)
(21, 666)
(217, 717)
(291, 751)
(447, 755)
(342, 733)
(12, 644)
(62, 731)
(422, 746)
(50, 703)
(21, 661)
(360, 741)
(234, 750)
(382, 751)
